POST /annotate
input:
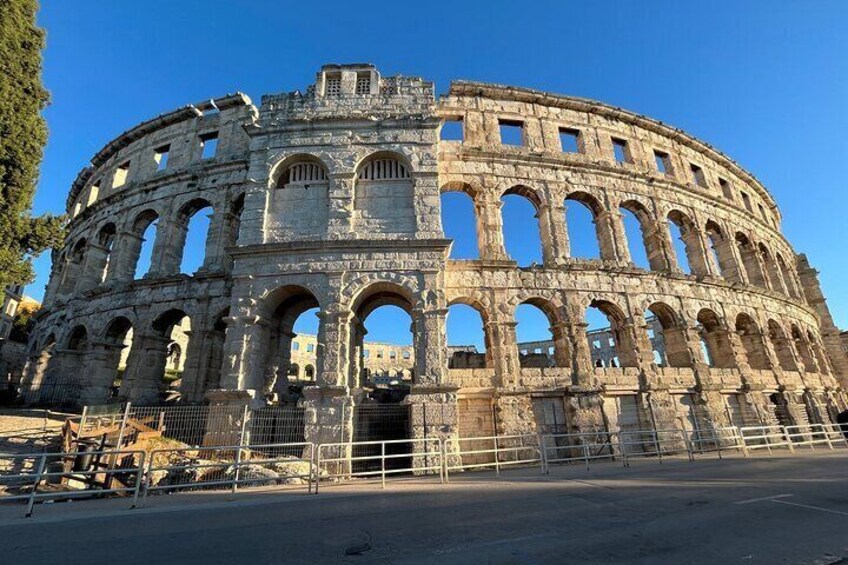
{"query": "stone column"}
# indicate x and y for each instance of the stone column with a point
(555, 246)
(677, 347)
(340, 192)
(504, 351)
(145, 368)
(605, 227)
(245, 353)
(562, 345)
(731, 262)
(430, 346)
(333, 358)
(100, 372)
(93, 267)
(584, 371)
(217, 239)
(490, 229)
(659, 248)
(168, 248)
(125, 254)
(696, 252)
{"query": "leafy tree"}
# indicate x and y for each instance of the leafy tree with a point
(22, 137)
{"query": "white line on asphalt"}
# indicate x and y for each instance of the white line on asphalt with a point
(776, 496)
(489, 543)
(819, 508)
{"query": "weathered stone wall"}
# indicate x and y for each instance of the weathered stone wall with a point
(330, 199)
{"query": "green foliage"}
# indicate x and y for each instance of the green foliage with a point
(22, 137)
(22, 326)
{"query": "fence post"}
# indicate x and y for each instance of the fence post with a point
(585, 453)
(543, 452)
(139, 474)
(687, 443)
(317, 457)
(445, 463)
(656, 434)
(38, 474)
(744, 443)
(237, 472)
(497, 457)
(441, 447)
(123, 425)
(82, 420)
(826, 436)
(788, 439)
(383, 464)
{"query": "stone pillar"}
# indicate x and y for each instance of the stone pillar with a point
(125, 254)
(217, 239)
(504, 351)
(584, 371)
(696, 252)
(430, 346)
(730, 261)
(605, 227)
(334, 339)
(555, 246)
(168, 248)
(677, 347)
(490, 229)
(93, 267)
(245, 354)
(145, 368)
(659, 248)
(100, 372)
(340, 193)
(562, 345)
(720, 344)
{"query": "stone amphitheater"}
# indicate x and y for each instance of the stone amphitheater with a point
(331, 199)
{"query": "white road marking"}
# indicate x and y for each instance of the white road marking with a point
(763, 499)
(489, 543)
(819, 508)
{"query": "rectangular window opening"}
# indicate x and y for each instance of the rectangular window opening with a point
(160, 155)
(747, 201)
(763, 212)
(452, 130)
(725, 189)
(698, 176)
(208, 145)
(310, 347)
(569, 140)
(363, 84)
(121, 174)
(620, 150)
(663, 162)
(333, 86)
(512, 132)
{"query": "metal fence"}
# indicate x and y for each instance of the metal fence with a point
(93, 472)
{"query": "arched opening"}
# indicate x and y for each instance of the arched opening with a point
(669, 342)
(299, 203)
(295, 339)
(522, 236)
(118, 341)
(534, 332)
(781, 347)
(309, 373)
(581, 212)
(173, 326)
(459, 221)
(802, 346)
(140, 250)
(788, 278)
(752, 342)
(610, 342)
(383, 196)
(105, 243)
(684, 241)
(194, 219)
(819, 352)
(721, 253)
(749, 260)
(715, 341)
(73, 267)
(637, 222)
(774, 276)
(468, 343)
(383, 343)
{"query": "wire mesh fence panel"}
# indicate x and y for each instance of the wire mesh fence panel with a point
(381, 422)
(53, 395)
(271, 425)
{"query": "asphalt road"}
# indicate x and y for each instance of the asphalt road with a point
(762, 510)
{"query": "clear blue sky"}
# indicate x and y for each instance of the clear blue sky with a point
(764, 81)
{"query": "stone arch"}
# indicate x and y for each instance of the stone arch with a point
(774, 277)
(462, 359)
(781, 346)
(722, 251)
(750, 260)
(383, 195)
(693, 263)
(752, 341)
(715, 340)
(558, 338)
(646, 221)
(591, 203)
(367, 300)
(191, 226)
(802, 346)
(139, 248)
(299, 202)
(670, 343)
(522, 242)
(615, 344)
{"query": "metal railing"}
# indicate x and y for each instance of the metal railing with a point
(100, 472)
(204, 468)
(493, 452)
(417, 457)
(37, 477)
